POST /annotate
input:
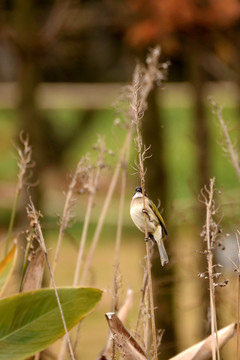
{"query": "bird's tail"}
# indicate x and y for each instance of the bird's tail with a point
(161, 247)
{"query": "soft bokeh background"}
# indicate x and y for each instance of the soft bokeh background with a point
(62, 67)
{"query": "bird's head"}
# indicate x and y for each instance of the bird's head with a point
(138, 192)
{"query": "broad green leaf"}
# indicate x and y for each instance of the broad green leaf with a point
(6, 267)
(31, 321)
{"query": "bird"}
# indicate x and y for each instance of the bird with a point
(155, 224)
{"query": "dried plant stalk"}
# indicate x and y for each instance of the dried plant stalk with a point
(106, 205)
(92, 188)
(153, 74)
(144, 79)
(66, 217)
(119, 234)
(228, 145)
(24, 164)
(34, 217)
(210, 232)
(92, 185)
(141, 306)
(237, 269)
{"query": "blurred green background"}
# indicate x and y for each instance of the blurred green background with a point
(63, 65)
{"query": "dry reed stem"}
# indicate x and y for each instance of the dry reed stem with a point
(106, 205)
(141, 306)
(146, 330)
(237, 268)
(34, 216)
(24, 164)
(93, 183)
(210, 236)
(230, 148)
(141, 173)
(66, 216)
(143, 82)
(118, 242)
(238, 315)
(117, 246)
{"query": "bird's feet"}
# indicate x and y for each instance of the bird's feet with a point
(147, 214)
(147, 239)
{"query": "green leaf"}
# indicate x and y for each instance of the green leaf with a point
(6, 267)
(31, 321)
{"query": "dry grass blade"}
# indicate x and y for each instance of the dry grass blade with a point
(203, 349)
(34, 273)
(128, 347)
(107, 353)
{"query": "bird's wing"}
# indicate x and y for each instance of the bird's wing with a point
(158, 215)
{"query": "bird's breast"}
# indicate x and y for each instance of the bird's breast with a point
(137, 215)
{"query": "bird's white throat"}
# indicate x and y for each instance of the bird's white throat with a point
(137, 195)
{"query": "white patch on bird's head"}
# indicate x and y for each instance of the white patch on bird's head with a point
(137, 195)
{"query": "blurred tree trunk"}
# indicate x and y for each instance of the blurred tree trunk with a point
(197, 79)
(48, 147)
(202, 139)
(28, 81)
(156, 185)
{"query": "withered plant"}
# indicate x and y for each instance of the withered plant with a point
(211, 230)
(25, 165)
(34, 219)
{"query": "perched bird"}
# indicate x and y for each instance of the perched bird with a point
(155, 223)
